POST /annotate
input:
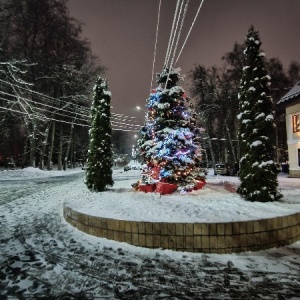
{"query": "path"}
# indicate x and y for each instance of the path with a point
(43, 257)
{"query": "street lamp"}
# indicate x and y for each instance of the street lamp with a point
(145, 112)
(133, 152)
(139, 108)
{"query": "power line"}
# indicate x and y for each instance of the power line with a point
(175, 31)
(189, 30)
(179, 33)
(44, 119)
(156, 37)
(178, 36)
(61, 101)
(116, 120)
(68, 116)
(171, 35)
(42, 109)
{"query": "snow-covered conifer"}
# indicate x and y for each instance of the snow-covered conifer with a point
(258, 172)
(170, 137)
(100, 161)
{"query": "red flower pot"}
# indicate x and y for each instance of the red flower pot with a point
(147, 188)
(165, 188)
(199, 184)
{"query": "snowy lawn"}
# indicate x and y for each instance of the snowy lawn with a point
(216, 202)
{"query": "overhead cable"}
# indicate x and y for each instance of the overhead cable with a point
(44, 118)
(189, 30)
(87, 117)
(156, 37)
(60, 100)
(171, 34)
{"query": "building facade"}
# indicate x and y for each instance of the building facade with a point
(291, 102)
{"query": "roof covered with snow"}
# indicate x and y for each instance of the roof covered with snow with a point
(292, 94)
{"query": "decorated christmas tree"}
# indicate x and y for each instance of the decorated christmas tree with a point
(258, 172)
(170, 138)
(100, 161)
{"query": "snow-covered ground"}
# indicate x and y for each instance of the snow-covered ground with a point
(32, 173)
(213, 203)
(41, 254)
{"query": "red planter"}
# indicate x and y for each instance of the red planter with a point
(199, 184)
(165, 188)
(147, 188)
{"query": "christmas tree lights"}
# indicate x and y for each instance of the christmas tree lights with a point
(169, 139)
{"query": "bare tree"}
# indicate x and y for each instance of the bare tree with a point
(61, 69)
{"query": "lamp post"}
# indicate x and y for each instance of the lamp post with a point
(208, 142)
(141, 109)
(218, 149)
(225, 150)
(133, 153)
(204, 150)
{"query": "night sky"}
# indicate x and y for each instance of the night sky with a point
(122, 35)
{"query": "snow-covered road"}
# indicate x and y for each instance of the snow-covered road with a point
(43, 257)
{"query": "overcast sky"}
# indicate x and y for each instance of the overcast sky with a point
(122, 35)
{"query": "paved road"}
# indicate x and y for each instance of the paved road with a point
(11, 190)
(42, 258)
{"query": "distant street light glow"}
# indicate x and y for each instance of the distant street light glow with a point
(139, 108)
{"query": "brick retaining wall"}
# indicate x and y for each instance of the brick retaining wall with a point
(224, 237)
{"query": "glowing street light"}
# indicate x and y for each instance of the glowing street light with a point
(139, 108)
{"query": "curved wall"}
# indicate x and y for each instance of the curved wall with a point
(193, 237)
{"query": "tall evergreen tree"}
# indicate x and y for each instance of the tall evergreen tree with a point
(100, 155)
(170, 140)
(258, 172)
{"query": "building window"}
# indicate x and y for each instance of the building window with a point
(296, 123)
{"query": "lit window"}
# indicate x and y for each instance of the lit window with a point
(296, 123)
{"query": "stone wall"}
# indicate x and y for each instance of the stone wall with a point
(225, 237)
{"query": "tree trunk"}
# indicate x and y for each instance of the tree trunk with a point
(74, 150)
(59, 163)
(24, 152)
(50, 153)
(32, 146)
(276, 145)
(42, 154)
(68, 148)
(230, 143)
(213, 160)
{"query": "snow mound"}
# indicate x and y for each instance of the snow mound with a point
(31, 172)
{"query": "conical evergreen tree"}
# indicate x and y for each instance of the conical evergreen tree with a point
(100, 161)
(258, 172)
(170, 138)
